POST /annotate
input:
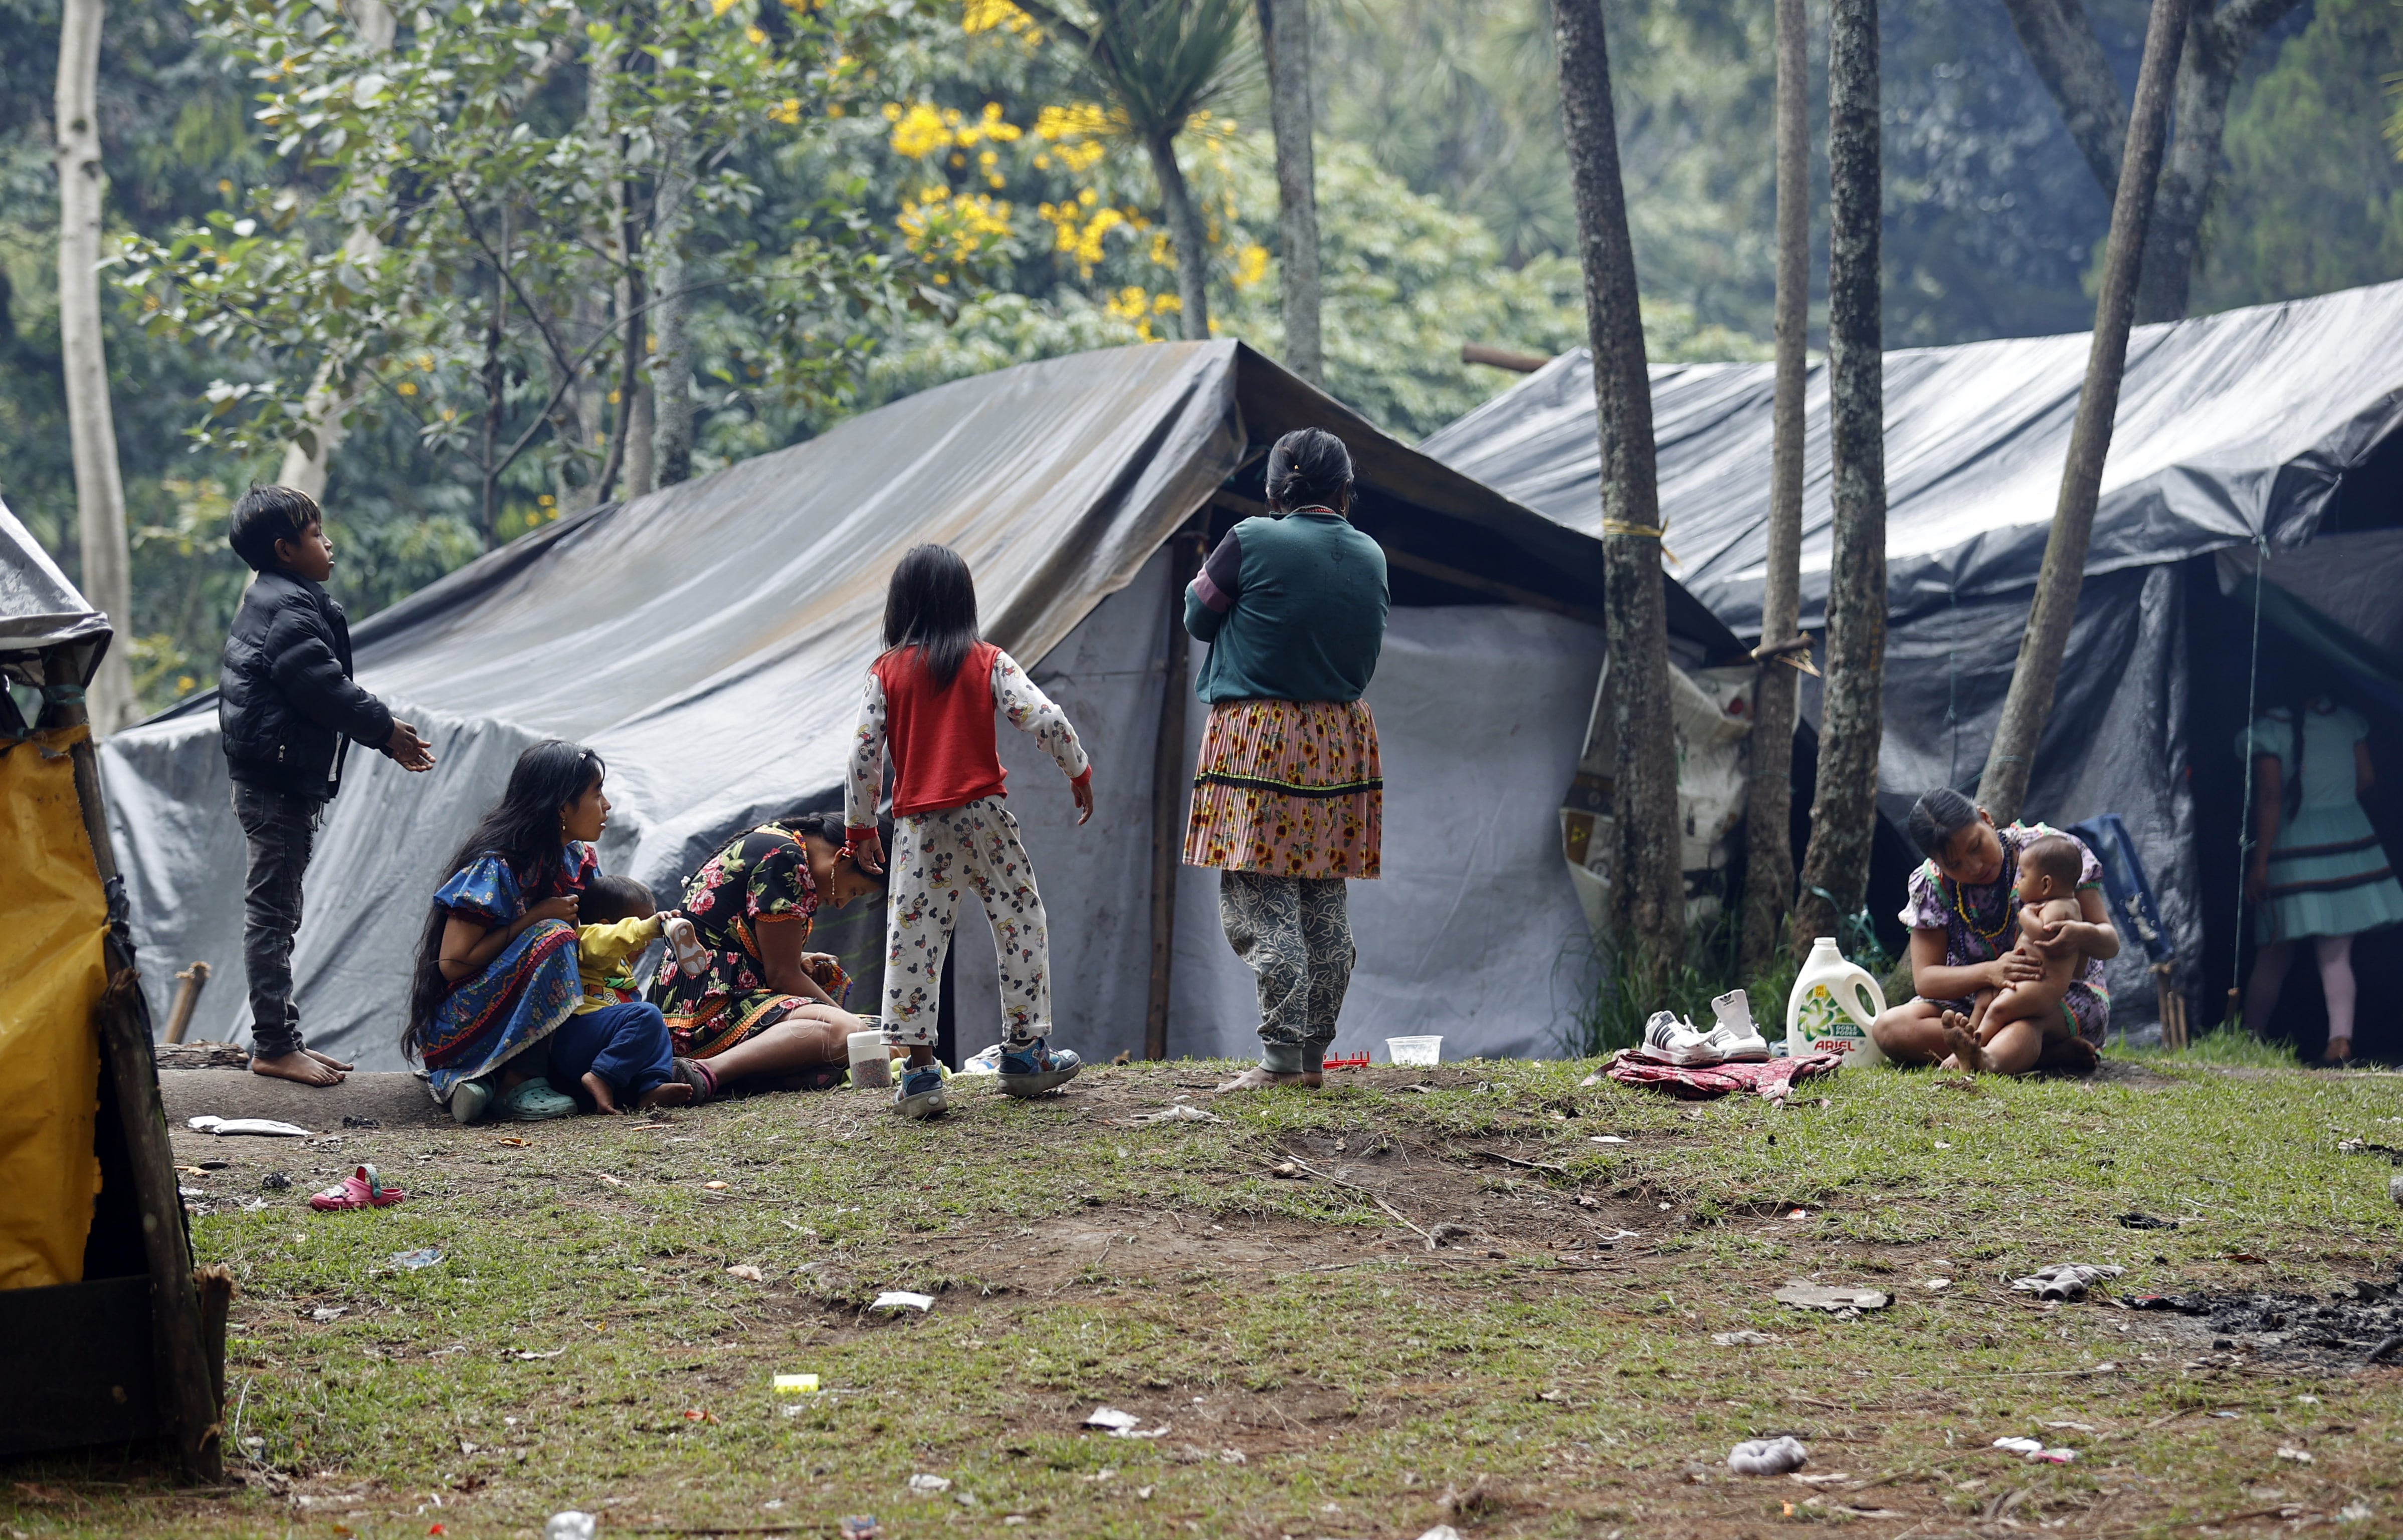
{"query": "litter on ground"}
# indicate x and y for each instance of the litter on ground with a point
(265, 1128)
(923, 1482)
(903, 1299)
(424, 1256)
(2066, 1280)
(1803, 1294)
(1767, 1456)
(796, 1384)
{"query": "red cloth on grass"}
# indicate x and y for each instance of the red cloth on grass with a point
(1700, 1082)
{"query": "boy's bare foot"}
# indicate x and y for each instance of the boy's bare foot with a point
(602, 1095)
(1964, 1043)
(307, 1069)
(1260, 1079)
(667, 1093)
(2339, 1051)
(328, 1061)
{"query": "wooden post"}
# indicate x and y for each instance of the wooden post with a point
(187, 999)
(184, 1380)
(1169, 776)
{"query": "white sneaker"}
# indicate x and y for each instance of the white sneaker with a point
(1681, 1042)
(1739, 1039)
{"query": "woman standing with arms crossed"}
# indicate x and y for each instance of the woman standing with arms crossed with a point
(1288, 797)
(2317, 869)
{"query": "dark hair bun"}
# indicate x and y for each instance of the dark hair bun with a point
(1307, 467)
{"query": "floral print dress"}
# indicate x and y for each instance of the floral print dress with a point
(1980, 923)
(763, 874)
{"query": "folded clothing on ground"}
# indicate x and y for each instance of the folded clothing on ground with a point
(1701, 1083)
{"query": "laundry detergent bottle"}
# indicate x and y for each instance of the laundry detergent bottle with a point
(1831, 1007)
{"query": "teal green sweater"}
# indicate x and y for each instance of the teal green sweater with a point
(1293, 608)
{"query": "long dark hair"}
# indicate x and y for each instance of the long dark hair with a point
(1939, 815)
(932, 607)
(523, 829)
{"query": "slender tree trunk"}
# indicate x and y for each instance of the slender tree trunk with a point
(311, 451)
(2173, 241)
(2003, 790)
(1285, 43)
(1769, 803)
(1185, 234)
(631, 322)
(672, 365)
(92, 425)
(1843, 813)
(1647, 889)
(495, 398)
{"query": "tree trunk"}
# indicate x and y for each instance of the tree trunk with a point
(1285, 43)
(496, 378)
(2060, 41)
(2003, 789)
(1843, 813)
(307, 457)
(672, 367)
(1769, 800)
(1647, 891)
(1185, 234)
(92, 425)
(630, 318)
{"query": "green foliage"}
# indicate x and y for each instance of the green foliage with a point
(2312, 197)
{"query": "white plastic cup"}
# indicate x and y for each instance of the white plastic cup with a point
(871, 1062)
(1415, 1050)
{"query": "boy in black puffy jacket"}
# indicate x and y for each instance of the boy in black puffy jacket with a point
(287, 709)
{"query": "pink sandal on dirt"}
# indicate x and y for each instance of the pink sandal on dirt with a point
(363, 1189)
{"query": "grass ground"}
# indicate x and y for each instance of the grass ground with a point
(1318, 1369)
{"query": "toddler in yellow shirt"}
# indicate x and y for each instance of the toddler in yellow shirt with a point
(614, 1052)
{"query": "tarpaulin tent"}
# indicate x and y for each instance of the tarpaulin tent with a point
(103, 1337)
(2268, 426)
(710, 641)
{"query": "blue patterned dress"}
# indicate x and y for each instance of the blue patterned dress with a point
(524, 995)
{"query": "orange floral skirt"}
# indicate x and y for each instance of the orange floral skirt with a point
(1293, 788)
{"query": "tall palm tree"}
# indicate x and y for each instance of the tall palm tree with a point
(2004, 787)
(1844, 812)
(1648, 896)
(92, 425)
(1768, 803)
(1159, 62)
(1284, 44)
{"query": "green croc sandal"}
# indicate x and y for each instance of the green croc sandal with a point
(533, 1102)
(470, 1099)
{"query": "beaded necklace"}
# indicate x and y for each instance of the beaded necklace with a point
(1961, 908)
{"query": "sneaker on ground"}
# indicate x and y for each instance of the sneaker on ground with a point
(1032, 1068)
(1739, 1039)
(1685, 1045)
(918, 1091)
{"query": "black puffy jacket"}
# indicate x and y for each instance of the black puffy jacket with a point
(286, 702)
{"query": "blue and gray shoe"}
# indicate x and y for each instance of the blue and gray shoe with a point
(1030, 1068)
(918, 1091)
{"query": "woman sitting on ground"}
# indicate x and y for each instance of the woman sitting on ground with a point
(497, 977)
(763, 1007)
(1966, 940)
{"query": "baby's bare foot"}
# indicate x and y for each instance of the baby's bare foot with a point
(602, 1096)
(1964, 1043)
(307, 1069)
(671, 1093)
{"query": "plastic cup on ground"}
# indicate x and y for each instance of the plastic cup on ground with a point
(871, 1066)
(1415, 1050)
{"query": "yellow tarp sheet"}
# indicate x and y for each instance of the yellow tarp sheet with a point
(52, 917)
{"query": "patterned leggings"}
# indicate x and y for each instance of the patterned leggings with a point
(937, 856)
(1295, 932)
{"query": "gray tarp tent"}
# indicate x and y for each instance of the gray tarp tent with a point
(2255, 425)
(710, 641)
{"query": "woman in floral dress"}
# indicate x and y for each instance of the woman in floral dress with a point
(764, 1005)
(1965, 937)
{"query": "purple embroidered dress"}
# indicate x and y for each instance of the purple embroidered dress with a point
(1980, 923)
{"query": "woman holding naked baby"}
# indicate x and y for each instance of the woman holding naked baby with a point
(2009, 933)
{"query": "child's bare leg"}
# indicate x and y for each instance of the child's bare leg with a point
(1964, 1043)
(2015, 1048)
